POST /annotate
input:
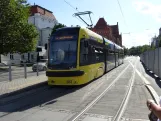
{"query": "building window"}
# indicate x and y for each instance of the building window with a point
(11, 56)
(22, 57)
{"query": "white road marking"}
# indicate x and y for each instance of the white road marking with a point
(142, 77)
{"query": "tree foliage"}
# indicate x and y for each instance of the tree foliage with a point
(57, 27)
(16, 34)
(138, 50)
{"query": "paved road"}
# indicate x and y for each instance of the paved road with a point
(64, 103)
(18, 72)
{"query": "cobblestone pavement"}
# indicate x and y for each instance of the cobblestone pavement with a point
(21, 83)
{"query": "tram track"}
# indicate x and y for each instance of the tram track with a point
(123, 105)
(117, 117)
(46, 90)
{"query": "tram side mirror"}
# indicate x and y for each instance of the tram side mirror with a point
(86, 44)
(46, 46)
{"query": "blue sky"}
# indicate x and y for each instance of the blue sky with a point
(142, 18)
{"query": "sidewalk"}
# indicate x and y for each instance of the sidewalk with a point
(8, 87)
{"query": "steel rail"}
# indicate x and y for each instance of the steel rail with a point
(124, 103)
(77, 116)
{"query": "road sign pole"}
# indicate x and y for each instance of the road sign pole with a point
(37, 68)
(10, 73)
(25, 71)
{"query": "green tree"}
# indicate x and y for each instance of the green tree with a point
(140, 49)
(57, 27)
(145, 48)
(16, 35)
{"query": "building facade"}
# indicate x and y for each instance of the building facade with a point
(155, 41)
(110, 32)
(44, 21)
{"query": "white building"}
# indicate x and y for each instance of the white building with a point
(44, 20)
(44, 36)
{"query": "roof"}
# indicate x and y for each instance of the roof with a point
(41, 8)
(101, 21)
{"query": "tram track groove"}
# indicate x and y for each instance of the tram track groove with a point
(124, 103)
(83, 111)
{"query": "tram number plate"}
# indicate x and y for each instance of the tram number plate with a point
(69, 81)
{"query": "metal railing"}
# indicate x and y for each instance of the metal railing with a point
(23, 70)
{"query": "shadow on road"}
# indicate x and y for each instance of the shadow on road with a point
(40, 98)
(157, 79)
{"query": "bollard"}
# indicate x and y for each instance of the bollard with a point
(37, 69)
(25, 71)
(10, 73)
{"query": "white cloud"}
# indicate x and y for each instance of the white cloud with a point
(136, 39)
(149, 9)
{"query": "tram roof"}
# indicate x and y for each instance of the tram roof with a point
(91, 33)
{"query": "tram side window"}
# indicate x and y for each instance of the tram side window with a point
(90, 55)
(83, 54)
(99, 55)
(111, 56)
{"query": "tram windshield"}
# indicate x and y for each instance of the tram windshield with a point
(63, 52)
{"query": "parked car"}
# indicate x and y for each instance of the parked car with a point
(2, 64)
(42, 65)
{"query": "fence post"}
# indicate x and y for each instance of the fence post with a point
(37, 63)
(10, 73)
(37, 69)
(25, 71)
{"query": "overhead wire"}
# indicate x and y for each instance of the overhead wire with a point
(122, 12)
(123, 17)
(73, 8)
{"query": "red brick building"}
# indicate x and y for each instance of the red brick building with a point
(110, 32)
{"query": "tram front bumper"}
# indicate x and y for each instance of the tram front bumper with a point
(65, 77)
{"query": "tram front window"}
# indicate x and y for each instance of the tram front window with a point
(63, 54)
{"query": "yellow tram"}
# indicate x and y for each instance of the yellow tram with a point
(78, 55)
